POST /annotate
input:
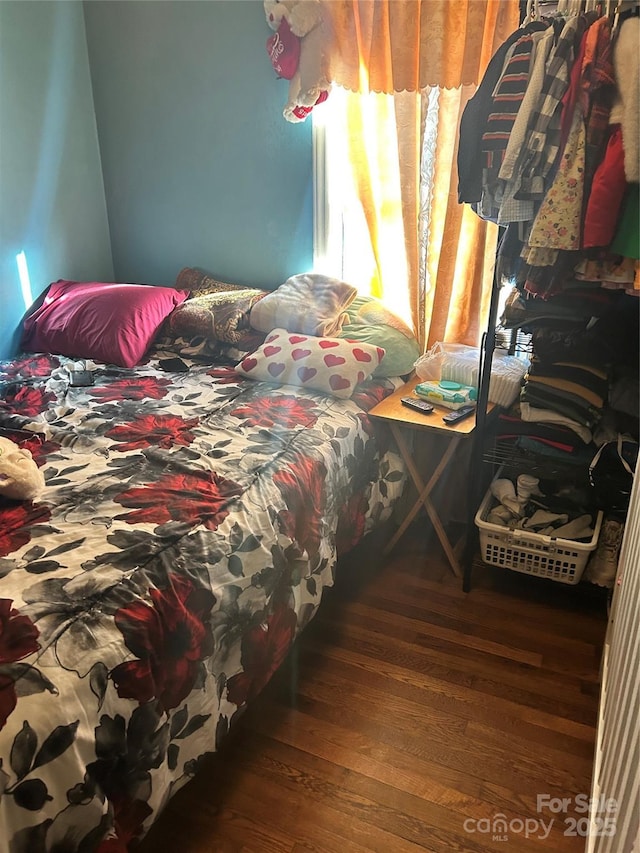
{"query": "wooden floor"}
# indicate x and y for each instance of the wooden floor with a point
(409, 716)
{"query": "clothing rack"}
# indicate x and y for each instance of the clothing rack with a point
(535, 10)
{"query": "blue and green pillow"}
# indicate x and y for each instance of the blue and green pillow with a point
(371, 323)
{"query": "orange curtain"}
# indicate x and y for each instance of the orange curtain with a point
(411, 44)
(401, 48)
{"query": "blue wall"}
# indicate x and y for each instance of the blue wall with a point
(200, 168)
(191, 159)
(52, 203)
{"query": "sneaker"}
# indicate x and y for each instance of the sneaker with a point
(602, 567)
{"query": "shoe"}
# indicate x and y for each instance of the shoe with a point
(602, 567)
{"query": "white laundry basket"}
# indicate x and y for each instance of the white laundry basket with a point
(532, 553)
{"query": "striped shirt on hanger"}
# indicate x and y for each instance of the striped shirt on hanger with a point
(507, 98)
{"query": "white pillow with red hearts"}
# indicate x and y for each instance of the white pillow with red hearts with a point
(332, 365)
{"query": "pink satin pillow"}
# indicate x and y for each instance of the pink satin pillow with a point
(112, 323)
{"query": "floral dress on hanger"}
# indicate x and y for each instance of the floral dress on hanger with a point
(559, 221)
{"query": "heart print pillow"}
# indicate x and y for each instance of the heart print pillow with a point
(332, 365)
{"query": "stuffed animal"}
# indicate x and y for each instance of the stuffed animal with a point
(298, 52)
(20, 477)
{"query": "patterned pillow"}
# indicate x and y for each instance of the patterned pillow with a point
(220, 317)
(324, 364)
(200, 283)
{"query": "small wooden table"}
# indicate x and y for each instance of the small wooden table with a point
(401, 418)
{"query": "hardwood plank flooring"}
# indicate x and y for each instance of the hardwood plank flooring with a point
(409, 715)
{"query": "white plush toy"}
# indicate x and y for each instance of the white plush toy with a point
(298, 52)
(20, 477)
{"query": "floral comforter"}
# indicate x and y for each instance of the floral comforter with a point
(188, 527)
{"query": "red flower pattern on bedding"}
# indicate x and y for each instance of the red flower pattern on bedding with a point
(200, 498)
(302, 487)
(282, 410)
(27, 401)
(15, 521)
(351, 523)
(134, 388)
(128, 817)
(147, 430)
(38, 446)
(169, 639)
(264, 647)
(31, 365)
(211, 574)
(18, 639)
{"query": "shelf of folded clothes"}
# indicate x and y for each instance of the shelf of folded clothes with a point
(580, 338)
(547, 450)
(582, 388)
(569, 393)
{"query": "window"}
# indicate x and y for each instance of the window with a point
(342, 242)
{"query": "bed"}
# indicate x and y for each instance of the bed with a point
(189, 525)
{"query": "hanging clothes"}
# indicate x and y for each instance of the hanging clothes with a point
(627, 239)
(540, 121)
(626, 110)
(507, 99)
(597, 93)
(607, 192)
(558, 224)
(474, 120)
(512, 209)
(542, 142)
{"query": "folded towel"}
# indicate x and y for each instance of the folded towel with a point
(310, 303)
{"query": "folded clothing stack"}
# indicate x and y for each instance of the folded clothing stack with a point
(586, 355)
(572, 389)
(551, 442)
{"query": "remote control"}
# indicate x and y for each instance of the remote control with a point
(418, 405)
(174, 365)
(80, 378)
(459, 415)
